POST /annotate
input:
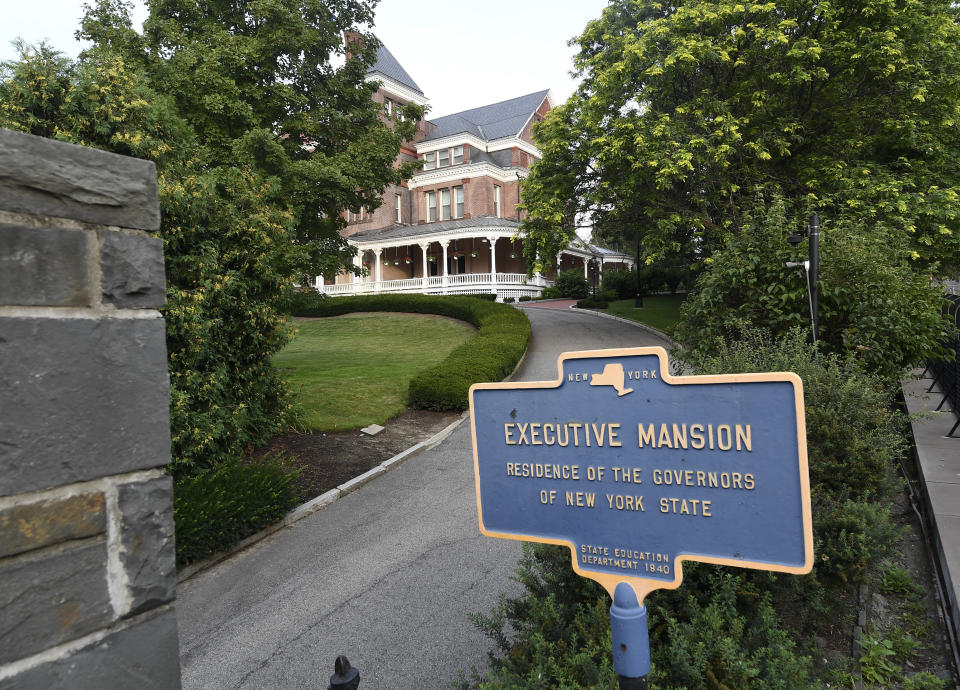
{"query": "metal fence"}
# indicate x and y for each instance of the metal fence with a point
(946, 372)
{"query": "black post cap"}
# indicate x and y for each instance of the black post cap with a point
(345, 677)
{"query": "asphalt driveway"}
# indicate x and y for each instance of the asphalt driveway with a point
(385, 575)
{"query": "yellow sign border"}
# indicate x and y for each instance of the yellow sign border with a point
(643, 586)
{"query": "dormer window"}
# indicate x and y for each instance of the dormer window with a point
(443, 158)
(429, 161)
(457, 154)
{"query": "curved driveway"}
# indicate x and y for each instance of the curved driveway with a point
(385, 575)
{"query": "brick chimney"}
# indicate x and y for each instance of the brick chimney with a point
(349, 38)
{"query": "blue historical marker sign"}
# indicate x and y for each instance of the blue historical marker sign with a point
(637, 470)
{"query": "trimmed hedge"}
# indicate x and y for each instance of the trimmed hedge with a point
(592, 303)
(728, 628)
(490, 355)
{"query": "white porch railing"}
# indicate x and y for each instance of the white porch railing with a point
(506, 285)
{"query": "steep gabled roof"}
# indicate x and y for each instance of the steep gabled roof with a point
(388, 66)
(495, 121)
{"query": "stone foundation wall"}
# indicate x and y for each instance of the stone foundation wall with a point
(87, 574)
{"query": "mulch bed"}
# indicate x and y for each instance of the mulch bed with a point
(328, 459)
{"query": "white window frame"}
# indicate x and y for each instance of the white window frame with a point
(429, 160)
(388, 106)
(431, 207)
(458, 205)
(441, 155)
(398, 213)
(457, 157)
(445, 204)
(496, 200)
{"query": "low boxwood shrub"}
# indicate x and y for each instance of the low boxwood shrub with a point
(854, 442)
(501, 340)
(525, 298)
(551, 292)
(725, 627)
(216, 509)
(593, 303)
(509, 300)
(717, 631)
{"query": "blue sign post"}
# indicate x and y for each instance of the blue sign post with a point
(636, 471)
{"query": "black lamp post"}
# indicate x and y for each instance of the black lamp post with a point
(811, 268)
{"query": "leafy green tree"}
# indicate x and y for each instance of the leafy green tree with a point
(873, 305)
(267, 80)
(262, 137)
(689, 111)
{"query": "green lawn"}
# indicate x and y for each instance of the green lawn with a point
(354, 370)
(659, 311)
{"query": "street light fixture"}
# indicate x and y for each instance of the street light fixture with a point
(811, 267)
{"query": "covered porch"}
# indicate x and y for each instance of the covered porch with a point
(593, 260)
(459, 257)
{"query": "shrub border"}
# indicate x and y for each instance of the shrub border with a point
(491, 355)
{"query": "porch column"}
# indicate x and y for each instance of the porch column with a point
(445, 245)
(426, 272)
(493, 264)
(377, 270)
(320, 283)
(586, 268)
(358, 263)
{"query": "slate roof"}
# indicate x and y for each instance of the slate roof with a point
(388, 66)
(578, 245)
(596, 249)
(489, 122)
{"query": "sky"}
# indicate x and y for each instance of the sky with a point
(462, 54)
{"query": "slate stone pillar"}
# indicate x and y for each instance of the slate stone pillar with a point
(87, 575)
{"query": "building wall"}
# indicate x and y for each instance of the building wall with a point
(478, 197)
(478, 201)
(527, 133)
(385, 215)
(86, 518)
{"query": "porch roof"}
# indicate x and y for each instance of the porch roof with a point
(431, 231)
(586, 250)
